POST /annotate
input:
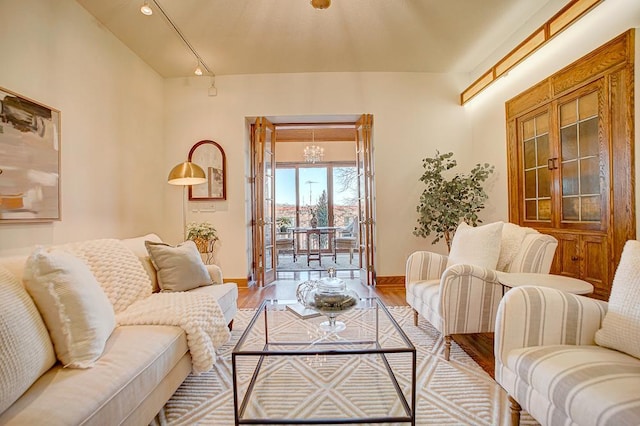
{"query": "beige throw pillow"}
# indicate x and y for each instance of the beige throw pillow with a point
(621, 325)
(26, 351)
(179, 268)
(479, 246)
(74, 307)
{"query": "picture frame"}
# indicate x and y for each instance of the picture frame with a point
(30, 160)
(210, 156)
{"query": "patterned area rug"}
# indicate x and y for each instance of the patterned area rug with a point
(456, 392)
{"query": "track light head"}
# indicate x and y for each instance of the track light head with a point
(146, 9)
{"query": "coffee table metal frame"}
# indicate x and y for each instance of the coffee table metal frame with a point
(324, 348)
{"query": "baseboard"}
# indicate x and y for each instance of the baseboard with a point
(390, 281)
(242, 282)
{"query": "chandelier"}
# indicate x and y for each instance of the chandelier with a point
(320, 4)
(313, 153)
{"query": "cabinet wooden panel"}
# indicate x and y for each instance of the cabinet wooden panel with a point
(571, 162)
(567, 254)
(584, 256)
(595, 258)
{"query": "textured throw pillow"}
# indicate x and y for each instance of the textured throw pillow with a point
(26, 351)
(74, 307)
(479, 246)
(179, 268)
(621, 325)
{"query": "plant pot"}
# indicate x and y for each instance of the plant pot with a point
(204, 246)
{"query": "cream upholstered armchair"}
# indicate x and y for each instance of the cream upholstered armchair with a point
(572, 360)
(458, 296)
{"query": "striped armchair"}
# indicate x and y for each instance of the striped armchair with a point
(464, 298)
(549, 363)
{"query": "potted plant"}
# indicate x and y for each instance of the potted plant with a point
(445, 202)
(283, 223)
(203, 234)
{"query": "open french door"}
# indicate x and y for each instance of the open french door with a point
(264, 211)
(366, 199)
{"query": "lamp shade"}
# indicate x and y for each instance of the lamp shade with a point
(187, 173)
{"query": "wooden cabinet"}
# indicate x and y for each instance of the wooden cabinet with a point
(586, 256)
(570, 153)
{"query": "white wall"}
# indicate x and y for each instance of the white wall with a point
(486, 112)
(414, 114)
(112, 148)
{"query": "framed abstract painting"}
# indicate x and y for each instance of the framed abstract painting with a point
(29, 160)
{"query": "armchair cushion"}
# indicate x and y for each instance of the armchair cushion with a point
(587, 384)
(621, 325)
(479, 246)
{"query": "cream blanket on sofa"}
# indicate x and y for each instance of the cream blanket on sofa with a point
(129, 288)
(198, 314)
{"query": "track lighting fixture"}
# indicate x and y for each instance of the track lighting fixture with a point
(198, 70)
(201, 67)
(146, 9)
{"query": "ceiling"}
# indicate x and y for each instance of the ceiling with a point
(281, 36)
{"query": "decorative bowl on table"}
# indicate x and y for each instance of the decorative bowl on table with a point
(329, 296)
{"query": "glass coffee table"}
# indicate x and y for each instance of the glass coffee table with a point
(287, 370)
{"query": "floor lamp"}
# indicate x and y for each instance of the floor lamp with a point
(185, 174)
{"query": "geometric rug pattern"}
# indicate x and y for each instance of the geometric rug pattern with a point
(457, 392)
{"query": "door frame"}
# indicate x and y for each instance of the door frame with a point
(366, 249)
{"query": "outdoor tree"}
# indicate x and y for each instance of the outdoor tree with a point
(322, 210)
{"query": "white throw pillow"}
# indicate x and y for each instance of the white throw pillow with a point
(179, 268)
(479, 246)
(621, 325)
(26, 351)
(75, 309)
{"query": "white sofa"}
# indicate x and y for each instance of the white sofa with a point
(139, 370)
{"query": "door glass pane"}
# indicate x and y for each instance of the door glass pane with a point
(268, 258)
(285, 198)
(345, 195)
(531, 209)
(588, 106)
(312, 187)
(570, 208)
(589, 137)
(542, 144)
(568, 114)
(528, 131)
(570, 178)
(537, 176)
(591, 208)
(569, 136)
(529, 153)
(544, 182)
(581, 191)
(530, 184)
(589, 176)
(542, 124)
(544, 209)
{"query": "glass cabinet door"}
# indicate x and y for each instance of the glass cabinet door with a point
(537, 166)
(580, 159)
